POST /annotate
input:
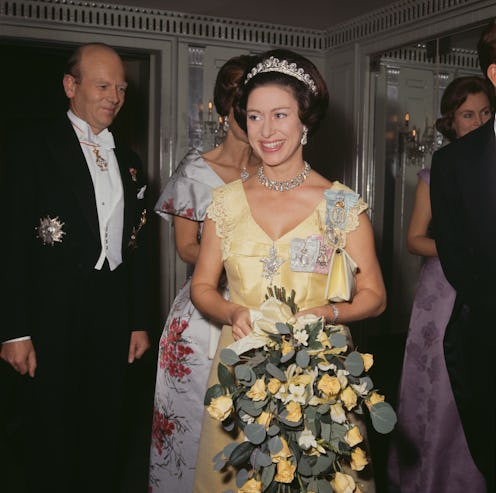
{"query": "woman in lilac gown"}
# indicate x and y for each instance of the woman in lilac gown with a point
(429, 452)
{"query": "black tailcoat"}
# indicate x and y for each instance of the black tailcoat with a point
(79, 319)
(463, 199)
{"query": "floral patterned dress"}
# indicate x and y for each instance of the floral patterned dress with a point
(429, 452)
(186, 341)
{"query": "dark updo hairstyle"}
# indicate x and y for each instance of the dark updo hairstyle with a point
(227, 81)
(311, 107)
(455, 95)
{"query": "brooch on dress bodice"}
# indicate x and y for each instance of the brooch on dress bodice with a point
(50, 230)
(271, 264)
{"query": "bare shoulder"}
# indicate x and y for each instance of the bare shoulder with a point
(317, 182)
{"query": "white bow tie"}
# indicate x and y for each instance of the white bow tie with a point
(104, 139)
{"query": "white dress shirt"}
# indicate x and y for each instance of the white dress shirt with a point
(109, 193)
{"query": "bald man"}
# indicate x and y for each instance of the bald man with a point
(75, 308)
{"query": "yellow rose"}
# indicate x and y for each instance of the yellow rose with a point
(294, 412)
(220, 407)
(302, 379)
(337, 413)
(264, 419)
(358, 459)
(349, 398)
(358, 490)
(283, 454)
(342, 483)
(274, 385)
(374, 398)
(329, 385)
(353, 436)
(257, 391)
(286, 347)
(251, 486)
(368, 360)
(285, 472)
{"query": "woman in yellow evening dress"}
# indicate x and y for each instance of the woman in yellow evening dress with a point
(279, 228)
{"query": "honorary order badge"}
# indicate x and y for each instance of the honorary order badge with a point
(50, 230)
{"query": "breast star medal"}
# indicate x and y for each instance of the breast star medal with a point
(50, 230)
(271, 264)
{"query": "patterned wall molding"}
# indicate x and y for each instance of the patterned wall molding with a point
(199, 27)
(391, 17)
(160, 22)
(418, 56)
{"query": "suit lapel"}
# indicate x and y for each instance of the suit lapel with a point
(129, 191)
(69, 159)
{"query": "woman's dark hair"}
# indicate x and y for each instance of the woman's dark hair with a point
(311, 106)
(227, 81)
(455, 95)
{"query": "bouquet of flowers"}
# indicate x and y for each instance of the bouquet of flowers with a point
(292, 387)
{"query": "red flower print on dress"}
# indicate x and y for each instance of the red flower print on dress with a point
(175, 351)
(168, 206)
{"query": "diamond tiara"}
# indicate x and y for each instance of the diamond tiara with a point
(273, 64)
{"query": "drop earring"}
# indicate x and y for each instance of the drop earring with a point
(225, 124)
(304, 138)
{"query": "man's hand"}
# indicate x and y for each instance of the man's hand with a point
(20, 355)
(138, 345)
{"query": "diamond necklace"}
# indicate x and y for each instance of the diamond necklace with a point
(283, 186)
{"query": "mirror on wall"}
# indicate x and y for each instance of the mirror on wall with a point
(406, 86)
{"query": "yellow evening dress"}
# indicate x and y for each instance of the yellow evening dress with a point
(253, 262)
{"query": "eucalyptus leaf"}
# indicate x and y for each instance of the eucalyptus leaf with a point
(243, 372)
(338, 431)
(275, 372)
(302, 358)
(326, 418)
(323, 463)
(305, 465)
(241, 478)
(241, 454)
(287, 357)
(325, 431)
(228, 357)
(283, 329)
(262, 459)
(368, 381)
(215, 391)
(323, 408)
(324, 486)
(225, 376)
(248, 406)
(255, 433)
(273, 430)
(228, 425)
(383, 417)
(267, 476)
(275, 445)
(354, 363)
(228, 449)
(338, 340)
(218, 465)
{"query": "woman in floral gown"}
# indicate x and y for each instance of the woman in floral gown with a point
(279, 227)
(429, 452)
(188, 341)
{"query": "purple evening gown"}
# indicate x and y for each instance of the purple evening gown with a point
(429, 452)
